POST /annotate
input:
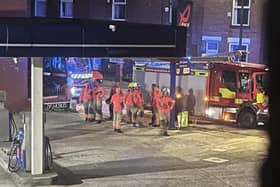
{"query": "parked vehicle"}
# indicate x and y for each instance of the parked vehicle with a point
(79, 71)
(224, 89)
(15, 76)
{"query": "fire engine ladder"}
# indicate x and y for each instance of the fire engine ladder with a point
(228, 58)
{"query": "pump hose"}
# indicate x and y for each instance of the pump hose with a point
(12, 127)
(48, 154)
(13, 165)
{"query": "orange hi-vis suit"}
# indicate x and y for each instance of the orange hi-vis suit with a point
(86, 94)
(117, 100)
(137, 109)
(165, 104)
(138, 98)
(87, 98)
(98, 92)
(128, 100)
(156, 95)
(98, 95)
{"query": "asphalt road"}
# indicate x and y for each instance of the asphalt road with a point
(5, 179)
(90, 154)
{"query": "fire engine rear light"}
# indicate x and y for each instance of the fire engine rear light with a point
(226, 117)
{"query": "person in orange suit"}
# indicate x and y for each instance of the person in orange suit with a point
(128, 98)
(118, 104)
(98, 95)
(86, 98)
(156, 95)
(112, 92)
(138, 106)
(165, 104)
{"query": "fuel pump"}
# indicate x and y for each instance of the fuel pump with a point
(17, 152)
(20, 148)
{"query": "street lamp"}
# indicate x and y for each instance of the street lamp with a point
(241, 27)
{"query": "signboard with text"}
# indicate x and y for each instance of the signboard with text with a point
(184, 13)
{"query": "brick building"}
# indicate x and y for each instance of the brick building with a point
(214, 28)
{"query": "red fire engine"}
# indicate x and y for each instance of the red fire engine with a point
(237, 91)
(223, 88)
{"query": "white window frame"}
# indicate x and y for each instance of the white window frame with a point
(36, 6)
(234, 41)
(62, 14)
(235, 8)
(207, 40)
(114, 4)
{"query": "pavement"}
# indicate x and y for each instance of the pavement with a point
(91, 154)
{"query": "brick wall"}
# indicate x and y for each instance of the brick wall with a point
(144, 11)
(210, 17)
(14, 8)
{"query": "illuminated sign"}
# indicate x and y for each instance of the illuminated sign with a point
(81, 76)
(184, 13)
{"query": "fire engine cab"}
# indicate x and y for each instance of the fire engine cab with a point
(236, 91)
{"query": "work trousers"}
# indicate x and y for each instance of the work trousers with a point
(97, 105)
(164, 122)
(117, 117)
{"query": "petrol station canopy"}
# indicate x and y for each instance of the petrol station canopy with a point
(39, 37)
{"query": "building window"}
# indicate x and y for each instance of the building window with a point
(234, 46)
(229, 80)
(119, 10)
(244, 82)
(210, 45)
(40, 8)
(66, 8)
(237, 12)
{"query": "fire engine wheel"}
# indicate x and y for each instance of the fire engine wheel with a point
(247, 119)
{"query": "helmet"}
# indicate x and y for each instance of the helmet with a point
(165, 91)
(132, 85)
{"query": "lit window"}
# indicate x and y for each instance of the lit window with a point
(234, 46)
(237, 12)
(210, 45)
(119, 10)
(66, 8)
(40, 8)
